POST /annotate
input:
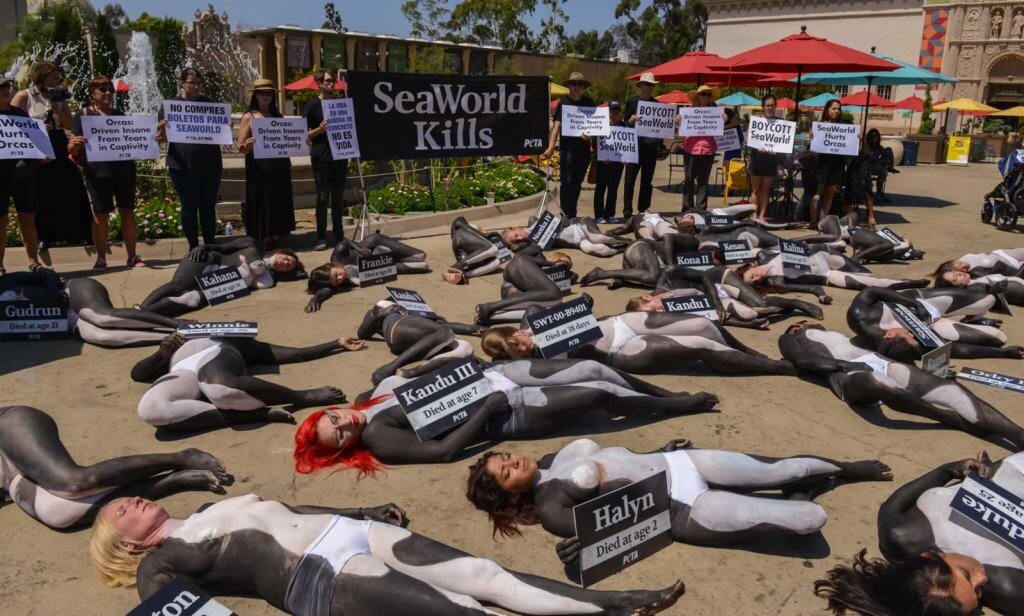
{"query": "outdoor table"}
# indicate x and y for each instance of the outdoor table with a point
(783, 203)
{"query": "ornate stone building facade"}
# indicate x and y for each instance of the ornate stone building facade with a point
(985, 50)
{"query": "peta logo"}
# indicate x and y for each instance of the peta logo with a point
(533, 143)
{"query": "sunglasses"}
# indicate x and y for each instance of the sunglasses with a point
(576, 84)
(704, 94)
(326, 80)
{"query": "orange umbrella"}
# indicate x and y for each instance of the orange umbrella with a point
(309, 83)
(675, 96)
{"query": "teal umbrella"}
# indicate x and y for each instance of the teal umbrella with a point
(819, 100)
(738, 99)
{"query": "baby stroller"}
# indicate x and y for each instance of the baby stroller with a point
(1006, 201)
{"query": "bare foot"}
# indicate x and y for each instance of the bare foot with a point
(280, 416)
(866, 470)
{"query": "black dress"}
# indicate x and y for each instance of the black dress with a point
(268, 210)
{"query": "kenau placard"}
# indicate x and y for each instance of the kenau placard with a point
(441, 116)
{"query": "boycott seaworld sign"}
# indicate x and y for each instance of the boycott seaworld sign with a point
(434, 116)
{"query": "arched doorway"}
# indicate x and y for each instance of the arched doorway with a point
(1005, 81)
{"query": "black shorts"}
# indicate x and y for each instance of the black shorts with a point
(104, 192)
(764, 164)
(831, 171)
(22, 191)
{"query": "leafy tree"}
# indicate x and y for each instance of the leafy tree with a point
(927, 122)
(552, 34)
(430, 59)
(591, 44)
(494, 22)
(427, 18)
(115, 15)
(665, 29)
(332, 18)
(104, 49)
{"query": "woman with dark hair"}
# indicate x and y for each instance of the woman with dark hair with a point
(764, 166)
(268, 212)
(933, 566)
(17, 184)
(62, 206)
(882, 163)
(328, 174)
(194, 170)
(708, 490)
(1005, 261)
(831, 167)
(525, 284)
(475, 254)
(1012, 287)
(182, 293)
(109, 183)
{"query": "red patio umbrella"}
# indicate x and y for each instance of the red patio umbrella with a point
(675, 96)
(785, 103)
(862, 99)
(121, 86)
(309, 83)
(693, 67)
(911, 103)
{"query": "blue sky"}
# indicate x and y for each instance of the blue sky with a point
(376, 16)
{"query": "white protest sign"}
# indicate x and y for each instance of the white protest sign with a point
(341, 128)
(198, 122)
(771, 135)
(729, 141)
(23, 138)
(590, 121)
(111, 138)
(279, 137)
(835, 138)
(701, 122)
(655, 120)
(619, 147)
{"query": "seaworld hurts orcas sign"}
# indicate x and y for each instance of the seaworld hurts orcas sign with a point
(441, 116)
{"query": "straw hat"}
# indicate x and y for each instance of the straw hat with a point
(264, 85)
(578, 77)
(693, 94)
(647, 78)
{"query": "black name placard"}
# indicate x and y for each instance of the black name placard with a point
(796, 260)
(222, 285)
(691, 304)
(990, 511)
(561, 276)
(695, 260)
(404, 115)
(623, 527)
(504, 254)
(444, 398)
(736, 251)
(891, 235)
(563, 327)
(26, 320)
(377, 269)
(936, 361)
(543, 231)
(924, 334)
(219, 329)
(719, 220)
(180, 598)
(992, 379)
(412, 301)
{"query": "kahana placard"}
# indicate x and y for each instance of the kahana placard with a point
(656, 120)
(197, 122)
(619, 147)
(701, 122)
(590, 121)
(835, 138)
(341, 128)
(279, 137)
(120, 137)
(771, 135)
(23, 138)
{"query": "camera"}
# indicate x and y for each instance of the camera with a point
(58, 94)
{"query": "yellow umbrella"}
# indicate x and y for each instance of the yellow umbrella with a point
(559, 90)
(1012, 112)
(968, 105)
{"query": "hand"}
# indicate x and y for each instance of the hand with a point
(998, 287)
(548, 153)
(853, 366)
(322, 128)
(387, 514)
(922, 312)
(161, 131)
(198, 254)
(825, 299)
(313, 305)
(980, 464)
(246, 145)
(171, 343)
(585, 137)
(676, 444)
(78, 141)
(349, 344)
(568, 550)
(723, 314)
(633, 118)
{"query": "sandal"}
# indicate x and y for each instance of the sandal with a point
(35, 267)
(100, 265)
(136, 261)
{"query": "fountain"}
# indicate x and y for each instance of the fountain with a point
(139, 72)
(210, 48)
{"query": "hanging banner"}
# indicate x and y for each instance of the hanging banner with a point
(24, 138)
(198, 123)
(620, 146)
(118, 137)
(729, 141)
(655, 120)
(990, 511)
(958, 151)
(279, 137)
(219, 329)
(835, 138)
(406, 115)
(691, 304)
(21, 320)
(544, 230)
(444, 398)
(771, 135)
(180, 598)
(590, 121)
(341, 128)
(992, 379)
(701, 122)
(563, 327)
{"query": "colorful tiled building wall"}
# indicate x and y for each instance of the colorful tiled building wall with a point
(933, 39)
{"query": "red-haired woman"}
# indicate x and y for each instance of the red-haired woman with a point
(531, 398)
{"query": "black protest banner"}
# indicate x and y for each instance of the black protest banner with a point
(444, 398)
(412, 301)
(992, 379)
(922, 332)
(990, 511)
(936, 361)
(691, 304)
(796, 259)
(543, 231)
(719, 220)
(377, 269)
(736, 251)
(22, 320)
(695, 260)
(219, 329)
(622, 527)
(563, 327)
(180, 598)
(402, 115)
(222, 285)
(561, 276)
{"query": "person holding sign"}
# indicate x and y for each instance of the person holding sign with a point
(648, 146)
(328, 561)
(573, 152)
(17, 184)
(475, 254)
(516, 490)
(39, 475)
(699, 155)
(329, 175)
(268, 212)
(609, 173)
(831, 167)
(937, 559)
(764, 166)
(342, 271)
(524, 284)
(195, 170)
(107, 182)
(859, 376)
